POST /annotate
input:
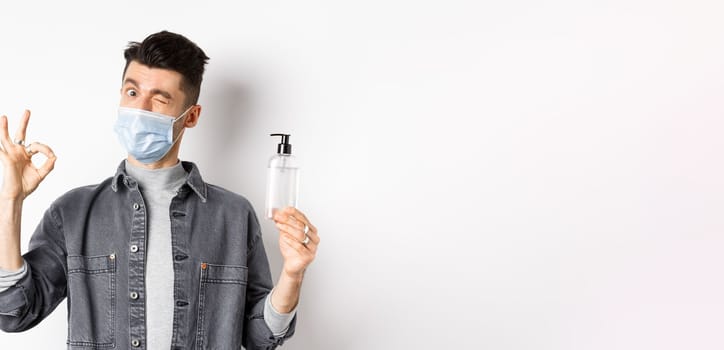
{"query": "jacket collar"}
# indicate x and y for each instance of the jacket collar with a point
(193, 179)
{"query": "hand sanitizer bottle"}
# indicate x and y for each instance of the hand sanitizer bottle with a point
(282, 182)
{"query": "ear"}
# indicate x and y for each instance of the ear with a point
(193, 116)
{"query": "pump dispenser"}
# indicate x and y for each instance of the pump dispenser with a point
(282, 183)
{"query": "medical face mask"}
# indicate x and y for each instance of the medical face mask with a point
(147, 136)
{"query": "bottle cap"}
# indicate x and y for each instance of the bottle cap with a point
(285, 147)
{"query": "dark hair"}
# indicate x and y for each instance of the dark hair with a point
(174, 52)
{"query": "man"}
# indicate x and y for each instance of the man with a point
(153, 257)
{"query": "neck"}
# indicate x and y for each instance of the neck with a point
(163, 163)
(155, 180)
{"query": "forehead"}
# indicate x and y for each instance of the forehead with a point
(149, 79)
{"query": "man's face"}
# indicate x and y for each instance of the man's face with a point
(153, 89)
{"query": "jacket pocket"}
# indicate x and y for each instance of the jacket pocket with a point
(222, 295)
(91, 300)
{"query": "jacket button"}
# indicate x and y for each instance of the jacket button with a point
(134, 295)
(134, 248)
(203, 266)
(136, 206)
(135, 343)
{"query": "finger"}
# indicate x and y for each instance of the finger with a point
(291, 221)
(313, 236)
(299, 216)
(312, 228)
(47, 167)
(37, 147)
(294, 244)
(295, 232)
(20, 134)
(299, 238)
(4, 136)
(284, 218)
(312, 244)
(298, 213)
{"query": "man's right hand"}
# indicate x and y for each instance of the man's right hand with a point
(20, 176)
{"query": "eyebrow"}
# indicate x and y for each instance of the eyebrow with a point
(163, 93)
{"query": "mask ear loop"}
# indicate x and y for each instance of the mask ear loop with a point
(182, 130)
(173, 143)
(183, 114)
(176, 140)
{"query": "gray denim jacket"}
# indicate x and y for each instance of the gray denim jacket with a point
(91, 244)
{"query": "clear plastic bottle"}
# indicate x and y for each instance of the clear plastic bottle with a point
(282, 182)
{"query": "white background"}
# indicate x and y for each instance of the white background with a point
(484, 175)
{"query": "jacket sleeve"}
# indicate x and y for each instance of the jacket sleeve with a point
(44, 286)
(257, 334)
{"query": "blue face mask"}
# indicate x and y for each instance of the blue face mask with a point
(147, 136)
